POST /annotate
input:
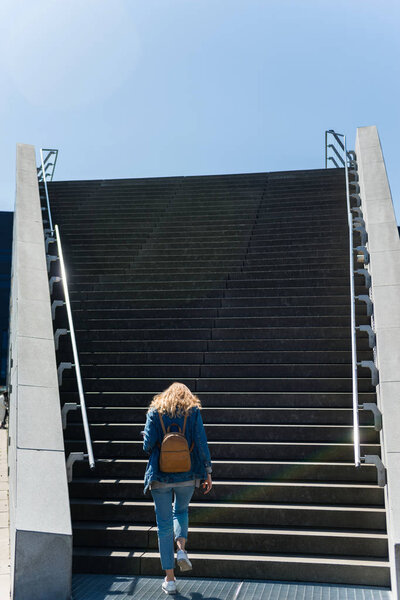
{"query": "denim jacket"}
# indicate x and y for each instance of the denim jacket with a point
(200, 456)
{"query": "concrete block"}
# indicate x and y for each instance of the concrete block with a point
(386, 306)
(48, 468)
(38, 406)
(5, 584)
(390, 392)
(28, 204)
(385, 268)
(34, 319)
(383, 236)
(31, 256)
(388, 343)
(33, 285)
(376, 186)
(29, 232)
(393, 468)
(37, 363)
(381, 209)
(368, 137)
(42, 567)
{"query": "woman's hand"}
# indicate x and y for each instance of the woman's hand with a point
(207, 485)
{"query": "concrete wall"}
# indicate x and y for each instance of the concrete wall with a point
(40, 521)
(384, 249)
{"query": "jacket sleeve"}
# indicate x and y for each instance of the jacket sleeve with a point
(201, 441)
(150, 434)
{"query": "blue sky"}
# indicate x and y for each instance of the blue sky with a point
(140, 88)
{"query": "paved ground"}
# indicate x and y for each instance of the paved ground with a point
(4, 531)
(121, 587)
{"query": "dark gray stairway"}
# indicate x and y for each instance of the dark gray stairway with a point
(238, 286)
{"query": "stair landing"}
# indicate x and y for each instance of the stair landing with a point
(113, 587)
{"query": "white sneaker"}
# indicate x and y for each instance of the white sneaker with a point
(183, 560)
(169, 587)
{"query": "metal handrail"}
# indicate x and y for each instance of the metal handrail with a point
(343, 150)
(45, 164)
(346, 157)
(56, 232)
(75, 350)
(356, 423)
(46, 192)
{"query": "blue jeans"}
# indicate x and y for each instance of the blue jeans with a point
(172, 520)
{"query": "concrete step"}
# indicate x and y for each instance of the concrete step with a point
(260, 515)
(248, 451)
(224, 371)
(225, 539)
(235, 432)
(197, 385)
(244, 312)
(240, 491)
(336, 349)
(233, 357)
(242, 470)
(227, 400)
(303, 416)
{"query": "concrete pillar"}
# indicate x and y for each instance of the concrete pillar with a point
(384, 250)
(40, 521)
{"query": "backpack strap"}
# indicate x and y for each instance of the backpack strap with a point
(162, 424)
(184, 424)
(183, 431)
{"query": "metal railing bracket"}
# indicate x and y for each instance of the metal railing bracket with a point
(367, 277)
(49, 240)
(61, 368)
(356, 186)
(57, 335)
(357, 198)
(54, 279)
(368, 302)
(54, 305)
(374, 459)
(357, 210)
(50, 258)
(369, 364)
(371, 334)
(362, 231)
(376, 412)
(65, 410)
(71, 460)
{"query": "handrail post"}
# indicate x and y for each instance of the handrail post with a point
(75, 351)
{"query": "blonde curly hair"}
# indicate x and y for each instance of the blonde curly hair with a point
(176, 400)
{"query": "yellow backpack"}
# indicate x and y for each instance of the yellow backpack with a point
(174, 449)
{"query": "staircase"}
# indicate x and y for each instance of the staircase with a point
(237, 286)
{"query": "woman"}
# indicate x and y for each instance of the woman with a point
(173, 405)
